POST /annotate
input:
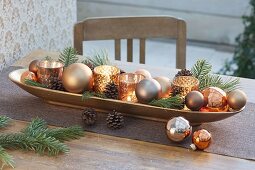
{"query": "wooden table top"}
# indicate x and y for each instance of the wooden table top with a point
(96, 151)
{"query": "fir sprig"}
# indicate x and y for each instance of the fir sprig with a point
(6, 159)
(98, 58)
(201, 70)
(175, 102)
(34, 83)
(88, 94)
(68, 56)
(4, 120)
(37, 137)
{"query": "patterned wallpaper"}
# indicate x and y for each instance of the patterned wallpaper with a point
(26, 25)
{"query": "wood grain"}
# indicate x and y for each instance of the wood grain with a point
(95, 151)
(130, 28)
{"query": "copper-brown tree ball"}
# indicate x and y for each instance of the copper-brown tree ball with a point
(77, 77)
(33, 66)
(236, 99)
(194, 100)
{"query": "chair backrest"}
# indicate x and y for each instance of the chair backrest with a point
(118, 28)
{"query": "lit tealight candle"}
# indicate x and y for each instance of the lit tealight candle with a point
(127, 86)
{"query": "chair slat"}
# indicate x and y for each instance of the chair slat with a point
(181, 45)
(78, 37)
(117, 43)
(142, 50)
(130, 50)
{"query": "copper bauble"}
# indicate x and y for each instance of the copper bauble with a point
(236, 99)
(194, 100)
(202, 139)
(77, 77)
(178, 129)
(28, 75)
(215, 97)
(144, 72)
(33, 66)
(147, 90)
(165, 84)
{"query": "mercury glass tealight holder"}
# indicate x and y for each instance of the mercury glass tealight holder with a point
(49, 71)
(103, 75)
(127, 86)
(185, 84)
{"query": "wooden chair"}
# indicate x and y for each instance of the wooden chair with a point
(118, 28)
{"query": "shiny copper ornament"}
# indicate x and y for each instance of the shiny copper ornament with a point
(194, 100)
(165, 86)
(215, 97)
(185, 84)
(28, 75)
(47, 70)
(33, 66)
(236, 99)
(147, 90)
(178, 129)
(144, 72)
(202, 139)
(77, 77)
(103, 75)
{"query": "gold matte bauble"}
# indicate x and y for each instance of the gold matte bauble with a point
(77, 77)
(194, 100)
(144, 72)
(236, 99)
(165, 84)
(178, 129)
(33, 66)
(28, 75)
(202, 139)
(147, 90)
(215, 97)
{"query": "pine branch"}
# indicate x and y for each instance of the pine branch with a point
(97, 59)
(175, 102)
(68, 56)
(6, 159)
(201, 68)
(36, 126)
(33, 83)
(88, 94)
(4, 121)
(66, 134)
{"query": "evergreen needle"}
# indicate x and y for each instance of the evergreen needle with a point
(68, 56)
(88, 94)
(33, 83)
(175, 102)
(6, 159)
(98, 58)
(4, 120)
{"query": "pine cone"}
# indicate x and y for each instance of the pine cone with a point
(89, 116)
(184, 72)
(115, 120)
(111, 91)
(56, 84)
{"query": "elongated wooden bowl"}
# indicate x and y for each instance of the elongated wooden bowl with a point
(131, 109)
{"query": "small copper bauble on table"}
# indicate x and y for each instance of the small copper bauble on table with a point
(127, 86)
(201, 139)
(215, 97)
(28, 75)
(178, 129)
(185, 84)
(33, 66)
(165, 86)
(103, 75)
(236, 99)
(147, 90)
(143, 72)
(77, 77)
(194, 100)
